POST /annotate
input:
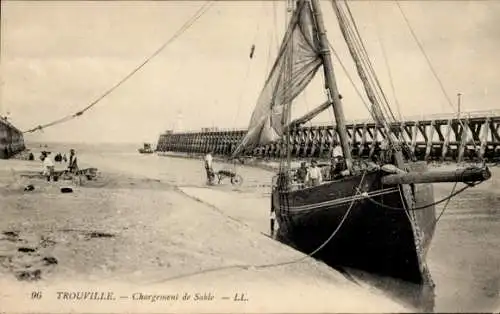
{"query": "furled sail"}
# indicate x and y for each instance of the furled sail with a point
(299, 59)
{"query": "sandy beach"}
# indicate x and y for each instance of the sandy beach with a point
(134, 233)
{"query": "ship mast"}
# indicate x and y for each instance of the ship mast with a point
(288, 75)
(331, 85)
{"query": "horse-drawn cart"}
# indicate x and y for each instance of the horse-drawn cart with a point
(234, 178)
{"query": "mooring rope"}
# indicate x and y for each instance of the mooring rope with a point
(453, 194)
(262, 266)
(446, 205)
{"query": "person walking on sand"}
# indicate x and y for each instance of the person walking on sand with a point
(48, 165)
(73, 161)
(208, 167)
(272, 219)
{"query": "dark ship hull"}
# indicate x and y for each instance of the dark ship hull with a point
(372, 237)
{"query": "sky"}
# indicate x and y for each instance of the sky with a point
(57, 57)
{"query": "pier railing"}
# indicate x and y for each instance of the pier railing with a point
(443, 137)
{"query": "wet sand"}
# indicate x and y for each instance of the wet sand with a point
(464, 257)
(139, 230)
(465, 254)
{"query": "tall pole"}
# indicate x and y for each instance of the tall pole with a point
(459, 102)
(288, 75)
(333, 93)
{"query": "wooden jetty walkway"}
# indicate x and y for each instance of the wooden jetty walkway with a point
(475, 136)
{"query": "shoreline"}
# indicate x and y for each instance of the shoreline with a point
(133, 230)
(273, 165)
(253, 163)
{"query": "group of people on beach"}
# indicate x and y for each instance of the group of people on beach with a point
(309, 176)
(305, 176)
(49, 165)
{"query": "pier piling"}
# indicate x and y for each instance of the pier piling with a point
(473, 137)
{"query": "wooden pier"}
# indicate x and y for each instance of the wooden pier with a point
(473, 137)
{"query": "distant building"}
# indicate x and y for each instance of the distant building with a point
(11, 139)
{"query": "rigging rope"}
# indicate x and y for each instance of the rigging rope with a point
(380, 105)
(273, 37)
(389, 72)
(198, 14)
(453, 194)
(245, 79)
(429, 63)
(350, 78)
(275, 20)
(419, 44)
(247, 72)
(362, 68)
(355, 48)
(307, 107)
(268, 60)
(352, 81)
(362, 52)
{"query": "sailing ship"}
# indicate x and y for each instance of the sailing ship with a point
(379, 216)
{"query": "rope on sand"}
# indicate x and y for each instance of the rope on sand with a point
(259, 266)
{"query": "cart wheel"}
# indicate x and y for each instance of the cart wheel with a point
(236, 180)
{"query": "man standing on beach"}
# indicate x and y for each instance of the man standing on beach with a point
(272, 219)
(48, 165)
(73, 161)
(208, 167)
